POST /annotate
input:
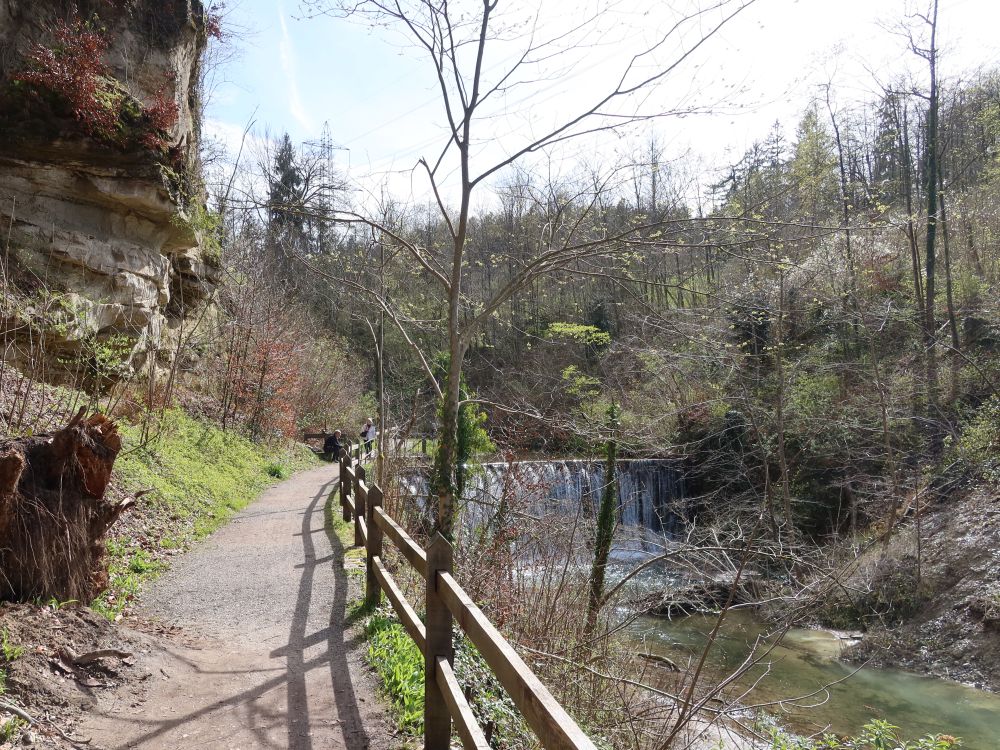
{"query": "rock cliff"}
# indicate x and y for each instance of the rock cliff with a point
(100, 206)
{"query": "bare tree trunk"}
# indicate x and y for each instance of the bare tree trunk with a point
(890, 455)
(931, 158)
(779, 406)
(911, 232)
(950, 299)
(851, 302)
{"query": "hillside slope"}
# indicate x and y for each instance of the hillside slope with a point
(953, 629)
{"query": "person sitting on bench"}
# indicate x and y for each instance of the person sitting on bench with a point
(332, 446)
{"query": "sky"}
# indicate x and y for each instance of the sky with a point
(285, 72)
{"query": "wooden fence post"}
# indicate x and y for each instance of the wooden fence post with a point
(359, 505)
(437, 719)
(373, 591)
(345, 486)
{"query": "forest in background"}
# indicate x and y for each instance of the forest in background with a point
(815, 339)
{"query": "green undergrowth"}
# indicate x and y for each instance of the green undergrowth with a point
(200, 476)
(400, 667)
(875, 735)
(9, 652)
(399, 664)
(352, 557)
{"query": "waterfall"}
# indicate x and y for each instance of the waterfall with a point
(649, 491)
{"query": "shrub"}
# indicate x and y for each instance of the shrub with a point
(72, 79)
(892, 595)
(979, 448)
(73, 72)
(875, 735)
(277, 471)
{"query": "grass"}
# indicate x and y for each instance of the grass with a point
(399, 664)
(11, 729)
(9, 651)
(400, 668)
(392, 654)
(200, 477)
(344, 531)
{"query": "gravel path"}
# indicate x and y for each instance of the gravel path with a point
(264, 659)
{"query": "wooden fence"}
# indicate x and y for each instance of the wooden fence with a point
(445, 603)
(419, 443)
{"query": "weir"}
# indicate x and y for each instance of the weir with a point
(650, 491)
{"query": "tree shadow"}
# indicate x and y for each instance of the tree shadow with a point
(260, 718)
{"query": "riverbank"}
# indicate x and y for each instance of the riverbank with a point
(807, 686)
(952, 628)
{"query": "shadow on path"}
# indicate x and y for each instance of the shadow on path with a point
(352, 728)
(257, 708)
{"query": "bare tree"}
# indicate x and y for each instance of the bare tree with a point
(931, 165)
(484, 56)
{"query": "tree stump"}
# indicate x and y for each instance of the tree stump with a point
(53, 513)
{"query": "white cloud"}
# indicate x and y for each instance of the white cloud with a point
(226, 133)
(286, 51)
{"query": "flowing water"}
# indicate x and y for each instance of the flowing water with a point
(652, 504)
(806, 661)
(650, 492)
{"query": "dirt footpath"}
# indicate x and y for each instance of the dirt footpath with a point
(259, 656)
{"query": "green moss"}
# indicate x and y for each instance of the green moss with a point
(206, 224)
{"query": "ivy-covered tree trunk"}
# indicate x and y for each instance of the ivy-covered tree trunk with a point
(445, 459)
(605, 524)
(470, 441)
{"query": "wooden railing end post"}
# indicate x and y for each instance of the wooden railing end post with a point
(345, 486)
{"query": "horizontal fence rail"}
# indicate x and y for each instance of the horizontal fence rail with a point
(446, 603)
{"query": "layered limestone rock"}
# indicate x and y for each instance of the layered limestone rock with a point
(103, 240)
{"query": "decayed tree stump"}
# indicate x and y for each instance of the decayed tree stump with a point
(53, 513)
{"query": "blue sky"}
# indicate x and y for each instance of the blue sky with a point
(293, 74)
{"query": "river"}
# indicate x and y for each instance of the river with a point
(652, 504)
(807, 660)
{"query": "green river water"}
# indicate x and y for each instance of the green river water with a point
(806, 660)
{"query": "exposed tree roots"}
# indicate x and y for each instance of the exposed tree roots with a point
(53, 513)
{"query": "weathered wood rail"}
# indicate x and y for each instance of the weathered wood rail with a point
(446, 603)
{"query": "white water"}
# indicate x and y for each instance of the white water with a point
(650, 491)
